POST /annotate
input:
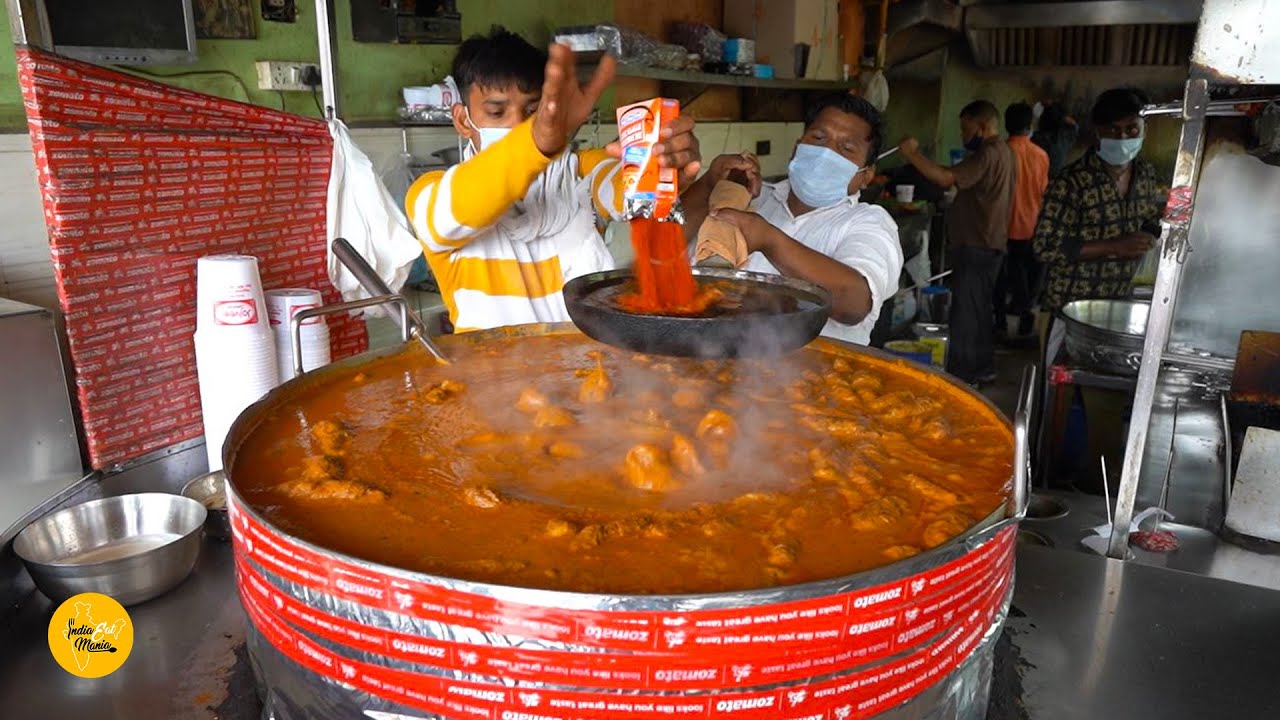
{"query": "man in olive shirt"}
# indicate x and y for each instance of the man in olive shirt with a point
(977, 231)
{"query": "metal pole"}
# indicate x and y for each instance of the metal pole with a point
(28, 24)
(1217, 108)
(326, 22)
(1176, 244)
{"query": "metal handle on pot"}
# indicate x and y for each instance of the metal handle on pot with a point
(295, 325)
(410, 324)
(1021, 495)
(1227, 453)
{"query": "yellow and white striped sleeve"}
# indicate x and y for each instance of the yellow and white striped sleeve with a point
(448, 209)
(601, 170)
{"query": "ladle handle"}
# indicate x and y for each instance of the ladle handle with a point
(410, 324)
(365, 275)
(1021, 494)
(295, 324)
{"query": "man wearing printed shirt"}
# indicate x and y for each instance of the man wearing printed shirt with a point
(505, 229)
(1102, 214)
(812, 226)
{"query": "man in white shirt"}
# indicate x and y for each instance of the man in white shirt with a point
(811, 225)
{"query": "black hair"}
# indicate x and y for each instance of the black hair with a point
(1117, 104)
(498, 60)
(981, 110)
(1018, 118)
(1053, 118)
(856, 106)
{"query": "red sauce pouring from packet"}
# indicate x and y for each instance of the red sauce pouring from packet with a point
(664, 279)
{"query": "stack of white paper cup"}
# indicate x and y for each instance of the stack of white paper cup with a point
(282, 305)
(235, 350)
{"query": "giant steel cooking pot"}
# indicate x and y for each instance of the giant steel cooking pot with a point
(1107, 335)
(332, 635)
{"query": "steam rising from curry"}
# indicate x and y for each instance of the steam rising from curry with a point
(555, 462)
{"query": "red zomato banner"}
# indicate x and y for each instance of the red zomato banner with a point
(138, 180)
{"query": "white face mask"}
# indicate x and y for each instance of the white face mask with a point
(820, 176)
(1119, 152)
(488, 136)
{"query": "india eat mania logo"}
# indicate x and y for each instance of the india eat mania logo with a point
(90, 635)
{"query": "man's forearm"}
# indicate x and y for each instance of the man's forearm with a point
(696, 201)
(1097, 251)
(850, 291)
(1104, 250)
(932, 171)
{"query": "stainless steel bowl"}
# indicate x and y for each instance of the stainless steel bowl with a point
(131, 547)
(1107, 335)
(210, 490)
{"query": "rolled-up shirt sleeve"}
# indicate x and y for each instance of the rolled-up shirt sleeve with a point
(971, 169)
(869, 244)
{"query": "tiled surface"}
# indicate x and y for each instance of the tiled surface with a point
(1010, 363)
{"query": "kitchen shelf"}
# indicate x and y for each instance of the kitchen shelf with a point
(705, 78)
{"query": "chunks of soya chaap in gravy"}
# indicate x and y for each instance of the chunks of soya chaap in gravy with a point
(727, 474)
(324, 471)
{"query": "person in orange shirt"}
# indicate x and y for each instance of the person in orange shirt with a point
(1020, 275)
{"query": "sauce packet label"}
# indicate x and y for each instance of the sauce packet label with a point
(649, 191)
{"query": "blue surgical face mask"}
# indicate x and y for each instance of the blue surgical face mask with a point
(1119, 152)
(973, 143)
(488, 136)
(820, 176)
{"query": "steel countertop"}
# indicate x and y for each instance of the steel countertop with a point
(1090, 638)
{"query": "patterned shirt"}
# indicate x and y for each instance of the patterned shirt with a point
(1084, 206)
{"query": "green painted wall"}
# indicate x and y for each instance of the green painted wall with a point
(913, 110)
(12, 116)
(370, 75)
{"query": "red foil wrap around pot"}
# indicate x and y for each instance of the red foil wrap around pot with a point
(334, 636)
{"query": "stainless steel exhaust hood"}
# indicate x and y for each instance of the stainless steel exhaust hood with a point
(1101, 33)
(1072, 33)
(984, 16)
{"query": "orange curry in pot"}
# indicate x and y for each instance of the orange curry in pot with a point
(556, 462)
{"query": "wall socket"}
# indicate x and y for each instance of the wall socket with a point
(287, 75)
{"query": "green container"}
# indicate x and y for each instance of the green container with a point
(911, 350)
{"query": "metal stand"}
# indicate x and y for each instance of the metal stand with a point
(326, 21)
(1232, 47)
(1177, 225)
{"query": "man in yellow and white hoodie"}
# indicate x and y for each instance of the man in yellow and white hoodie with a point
(506, 228)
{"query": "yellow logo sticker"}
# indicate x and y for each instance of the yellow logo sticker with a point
(90, 635)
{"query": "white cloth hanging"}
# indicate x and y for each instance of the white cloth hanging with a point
(361, 210)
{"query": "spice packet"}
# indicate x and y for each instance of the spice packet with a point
(649, 191)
